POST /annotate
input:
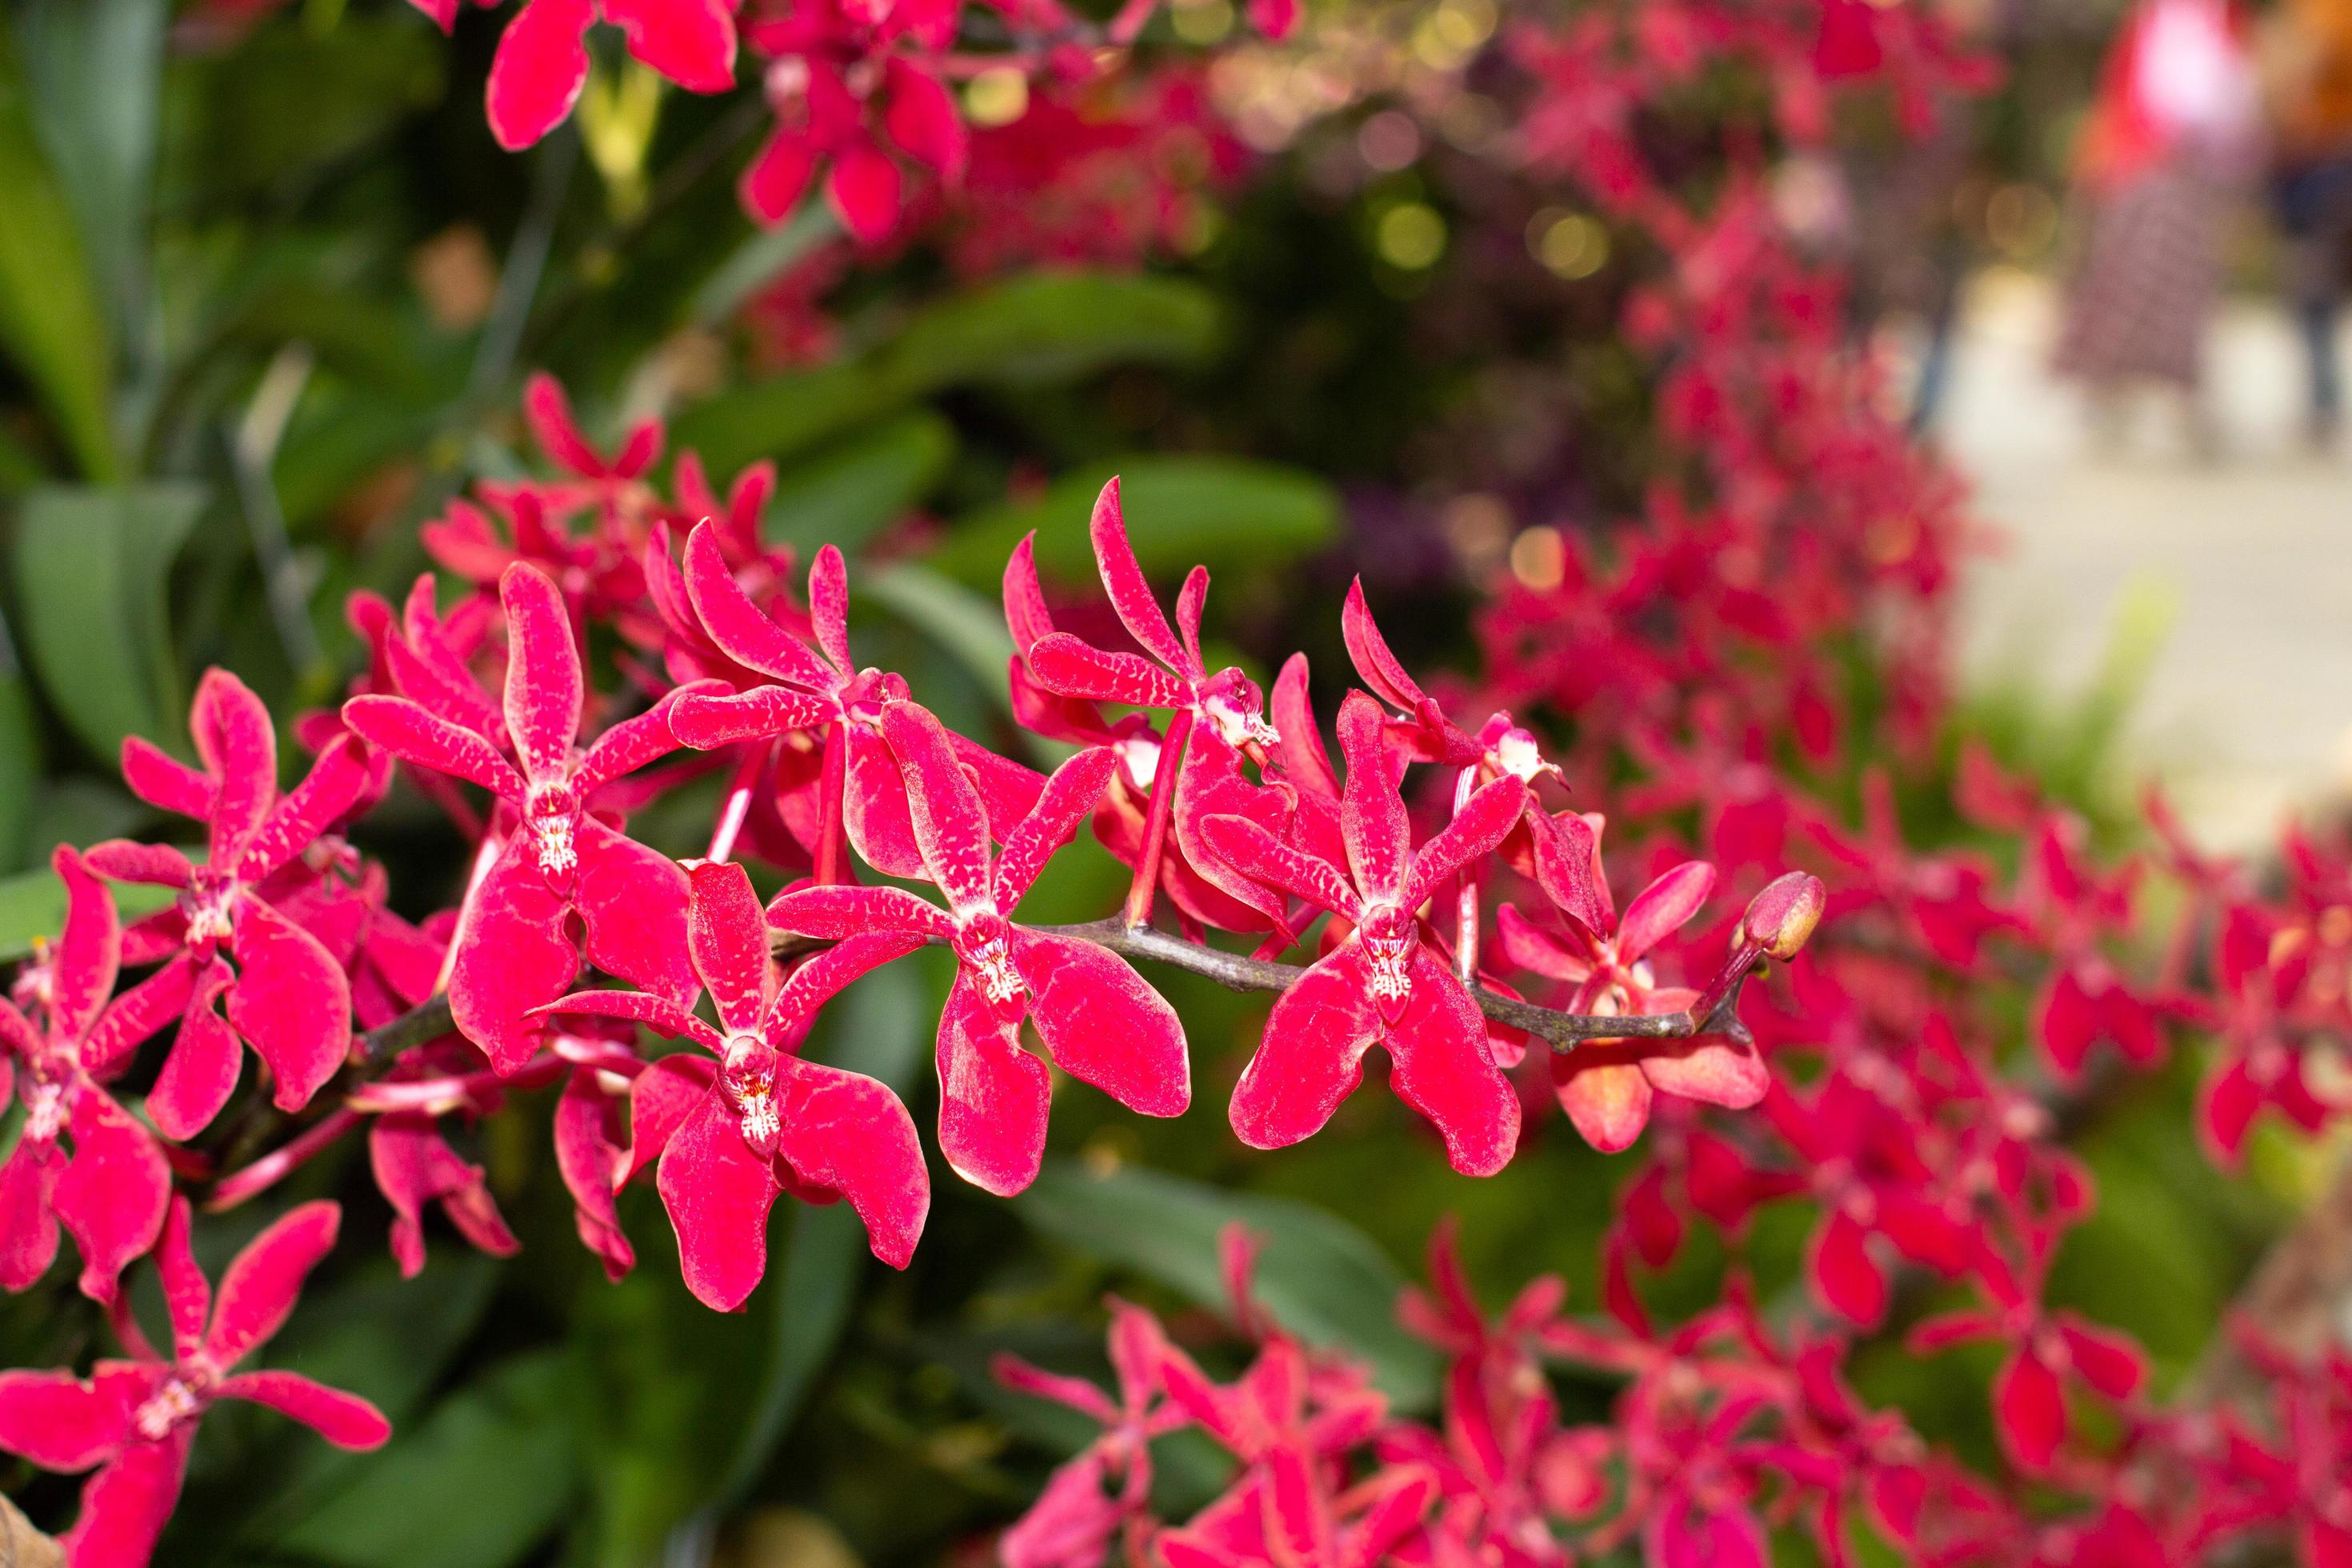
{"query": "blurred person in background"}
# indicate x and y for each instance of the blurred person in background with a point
(2173, 134)
(2308, 86)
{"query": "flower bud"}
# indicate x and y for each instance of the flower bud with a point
(1781, 918)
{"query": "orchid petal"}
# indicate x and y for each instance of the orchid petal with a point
(258, 1293)
(412, 733)
(993, 1096)
(718, 1191)
(1371, 812)
(1311, 1057)
(1444, 1068)
(846, 1133)
(1102, 1024)
(343, 1419)
(1475, 831)
(1070, 796)
(741, 628)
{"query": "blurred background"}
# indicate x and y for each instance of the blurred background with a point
(1380, 298)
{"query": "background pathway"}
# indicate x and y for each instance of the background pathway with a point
(2245, 560)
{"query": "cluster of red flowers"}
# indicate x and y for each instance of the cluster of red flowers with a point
(862, 93)
(281, 940)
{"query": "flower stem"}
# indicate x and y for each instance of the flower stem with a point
(1164, 772)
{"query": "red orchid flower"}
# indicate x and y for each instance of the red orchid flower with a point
(514, 950)
(732, 1133)
(135, 1419)
(110, 1190)
(862, 788)
(285, 995)
(2051, 1349)
(1123, 820)
(856, 123)
(1385, 983)
(542, 60)
(1105, 1486)
(1606, 1086)
(1101, 1023)
(1218, 717)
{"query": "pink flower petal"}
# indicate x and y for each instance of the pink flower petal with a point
(692, 42)
(774, 182)
(258, 1291)
(1129, 590)
(1608, 1102)
(660, 1100)
(545, 689)
(727, 932)
(993, 1096)
(2107, 1360)
(157, 865)
(132, 1017)
(638, 1007)
(634, 902)
(187, 1294)
(1659, 910)
(538, 70)
(1564, 851)
(291, 1000)
(874, 810)
(1845, 1278)
(1371, 813)
(741, 628)
(718, 1191)
(1472, 834)
(706, 723)
(414, 1165)
(1069, 667)
(125, 1505)
(1311, 1056)
(239, 748)
(865, 191)
(111, 1195)
(413, 734)
(28, 1225)
(547, 411)
(833, 913)
(1302, 757)
(848, 1134)
(90, 949)
(1069, 798)
(1711, 1070)
(828, 600)
(1369, 650)
(1444, 1069)
(1257, 854)
(816, 981)
(164, 782)
(1102, 1024)
(327, 792)
(951, 825)
(343, 1419)
(200, 1072)
(511, 955)
(2029, 1412)
(585, 1158)
(61, 1423)
(627, 746)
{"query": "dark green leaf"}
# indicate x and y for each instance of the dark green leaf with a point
(1041, 328)
(1181, 511)
(486, 1475)
(95, 69)
(961, 621)
(93, 567)
(845, 499)
(1319, 1276)
(20, 757)
(50, 320)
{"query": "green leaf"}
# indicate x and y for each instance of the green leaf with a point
(20, 757)
(1179, 511)
(93, 565)
(1043, 328)
(33, 904)
(50, 321)
(484, 1478)
(95, 68)
(760, 258)
(848, 497)
(383, 1338)
(952, 615)
(1318, 1275)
